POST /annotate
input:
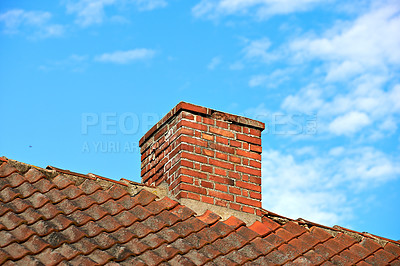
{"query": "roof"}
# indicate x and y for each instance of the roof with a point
(54, 216)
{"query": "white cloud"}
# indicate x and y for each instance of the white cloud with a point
(215, 61)
(91, 12)
(124, 57)
(145, 5)
(371, 42)
(88, 11)
(356, 88)
(271, 80)
(257, 80)
(308, 99)
(349, 123)
(36, 22)
(74, 63)
(236, 66)
(315, 189)
(257, 49)
(261, 8)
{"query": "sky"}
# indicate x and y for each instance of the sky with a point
(82, 80)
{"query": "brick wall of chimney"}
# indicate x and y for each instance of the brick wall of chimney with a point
(205, 155)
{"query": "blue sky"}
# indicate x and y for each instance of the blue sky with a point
(82, 80)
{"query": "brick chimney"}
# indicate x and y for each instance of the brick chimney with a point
(208, 160)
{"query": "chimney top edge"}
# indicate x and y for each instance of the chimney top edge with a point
(184, 106)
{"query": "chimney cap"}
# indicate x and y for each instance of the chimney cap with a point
(184, 106)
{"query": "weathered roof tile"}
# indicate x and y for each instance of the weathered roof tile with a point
(49, 219)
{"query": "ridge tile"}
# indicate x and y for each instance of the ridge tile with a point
(234, 222)
(260, 228)
(209, 217)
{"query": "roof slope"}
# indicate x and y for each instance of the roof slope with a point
(59, 217)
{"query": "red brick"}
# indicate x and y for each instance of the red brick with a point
(235, 190)
(255, 203)
(206, 168)
(186, 163)
(186, 131)
(192, 125)
(248, 154)
(193, 173)
(222, 124)
(255, 164)
(181, 194)
(193, 196)
(186, 179)
(222, 140)
(245, 161)
(255, 179)
(197, 134)
(191, 140)
(234, 175)
(245, 145)
(234, 206)
(222, 132)
(219, 147)
(225, 165)
(255, 148)
(187, 187)
(222, 180)
(235, 143)
(208, 121)
(187, 115)
(220, 203)
(220, 187)
(186, 147)
(207, 184)
(219, 171)
(247, 170)
(248, 186)
(255, 195)
(207, 199)
(247, 138)
(235, 127)
(234, 159)
(194, 157)
(208, 152)
(220, 195)
(247, 209)
(221, 156)
(207, 137)
(255, 132)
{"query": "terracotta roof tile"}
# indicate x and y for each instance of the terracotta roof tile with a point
(209, 217)
(52, 218)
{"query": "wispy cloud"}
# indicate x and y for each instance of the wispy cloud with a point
(90, 12)
(145, 5)
(353, 67)
(261, 8)
(34, 23)
(316, 188)
(74, 63)
(370, 43)
(215, 61)
(125, 57)
(258, 49)
(270, 80)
